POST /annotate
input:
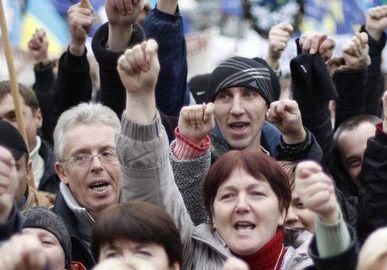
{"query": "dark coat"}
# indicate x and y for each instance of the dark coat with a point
(80, 252)
(372, 207)
(50, 181)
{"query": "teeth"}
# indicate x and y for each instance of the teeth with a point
(99, 188)
(244, 227)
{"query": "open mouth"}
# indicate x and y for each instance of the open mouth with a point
(239, 125)
(244, 226)
(99, 186)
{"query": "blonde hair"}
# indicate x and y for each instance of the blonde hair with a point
(374, 250)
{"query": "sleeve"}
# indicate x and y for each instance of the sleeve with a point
(74, 84)
(189, 177)
(11, 226)
(372, 205)
(308, 149)
(147, 174)
(346, 259)
(375, 84)
(43, 87)
(171, 88)
(332, 239)
(351, 89)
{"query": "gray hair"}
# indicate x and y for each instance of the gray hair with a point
(83, 113)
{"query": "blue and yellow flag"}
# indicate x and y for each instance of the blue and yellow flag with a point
(35, 14)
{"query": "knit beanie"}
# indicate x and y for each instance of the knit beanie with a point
(253, 74)
(43, 218)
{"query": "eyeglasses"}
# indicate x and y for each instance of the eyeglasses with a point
(84, 160)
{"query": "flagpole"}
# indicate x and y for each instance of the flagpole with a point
(12, 77)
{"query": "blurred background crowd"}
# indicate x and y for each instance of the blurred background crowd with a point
(215, 29)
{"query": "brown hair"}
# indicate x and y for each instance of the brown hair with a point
(28, 95)
(139, 222)
(289, 168)
(255, 163)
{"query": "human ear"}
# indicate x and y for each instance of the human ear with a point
(61, 172)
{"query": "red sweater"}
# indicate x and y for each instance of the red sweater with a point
(269, 257)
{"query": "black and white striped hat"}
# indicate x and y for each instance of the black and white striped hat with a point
(244, 72)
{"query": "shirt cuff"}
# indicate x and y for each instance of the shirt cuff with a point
(332, 239)
(185, 149)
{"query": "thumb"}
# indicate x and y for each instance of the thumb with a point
(209, 112)
(151, 52)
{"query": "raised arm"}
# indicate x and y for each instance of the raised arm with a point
(296, 143)
(191, 157)
(142, 144)
(350, 77)
(376, 23)
(74, 81)
(165, 25)
(279, 36)
(313, 95)
(372, 207)
(332, 247)
(44, 77)
(109, 42)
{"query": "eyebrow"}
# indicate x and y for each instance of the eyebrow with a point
(249, 187)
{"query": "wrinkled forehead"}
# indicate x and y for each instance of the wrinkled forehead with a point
(89, 135)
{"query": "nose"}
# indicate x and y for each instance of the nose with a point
(237, 106)
(96, 164)
(242, 204)
(291, 217)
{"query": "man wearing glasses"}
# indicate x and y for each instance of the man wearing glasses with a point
(85, 149)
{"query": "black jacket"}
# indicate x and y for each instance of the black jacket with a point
(80, 251)
(372, 207)
(50, 181)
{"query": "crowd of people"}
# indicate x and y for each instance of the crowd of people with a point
(137, 168)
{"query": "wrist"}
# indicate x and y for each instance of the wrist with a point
(332, 217)
(374, 33)
(294, 137)
(141, 108)
(77, 49)
(119, 37)
(273, 60)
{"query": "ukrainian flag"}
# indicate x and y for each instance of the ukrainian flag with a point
(42, 14)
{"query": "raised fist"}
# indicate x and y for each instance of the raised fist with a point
(286, 115)
(316, 191)
(80, 22)
(139, 68)
(313, 42)
(376, 21)
(279, 36)
(38, 45)
(196, 121)
(123, 13)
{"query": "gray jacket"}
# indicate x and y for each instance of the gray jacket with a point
(147, 175)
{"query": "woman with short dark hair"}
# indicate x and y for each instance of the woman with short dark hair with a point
(137, 229)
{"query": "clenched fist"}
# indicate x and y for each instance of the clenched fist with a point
(316, 191)
(196, 121)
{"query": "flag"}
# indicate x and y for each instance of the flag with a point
(42, 14)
